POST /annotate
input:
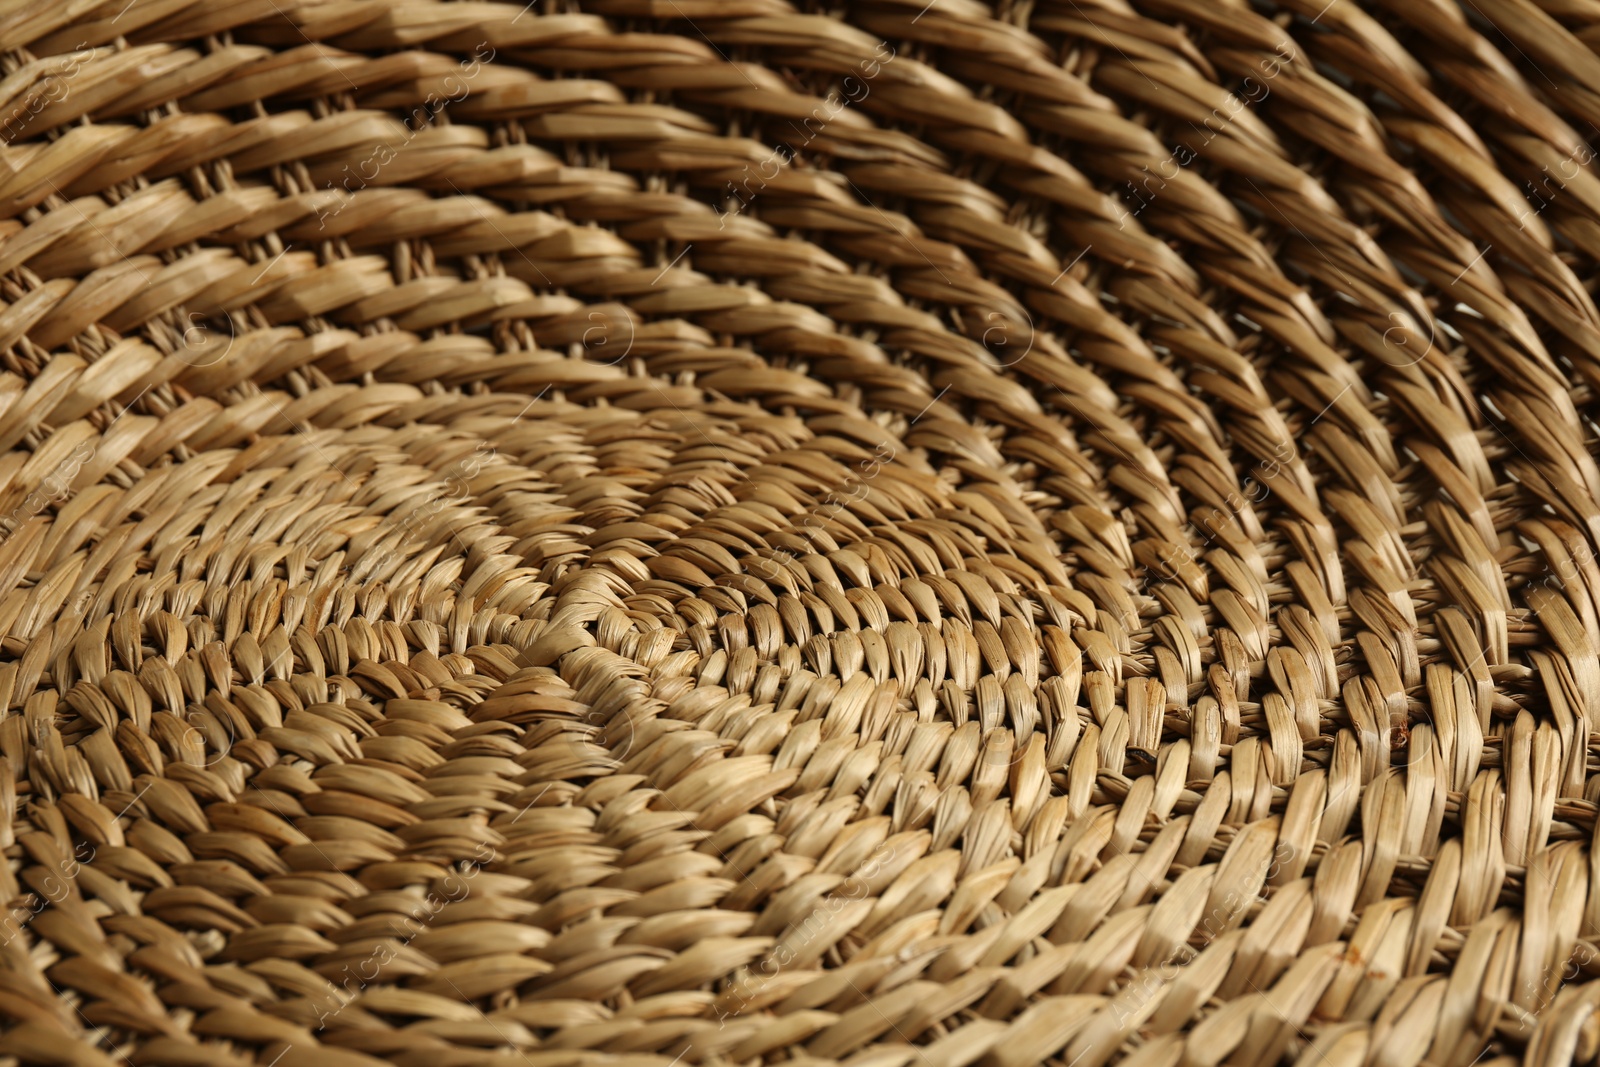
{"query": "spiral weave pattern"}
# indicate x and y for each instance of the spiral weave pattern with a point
(739, 532)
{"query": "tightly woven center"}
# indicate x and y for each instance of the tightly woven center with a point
(623, 533)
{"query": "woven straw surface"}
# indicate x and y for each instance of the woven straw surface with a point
(730, 532)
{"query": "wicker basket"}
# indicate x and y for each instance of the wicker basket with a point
(729, 532)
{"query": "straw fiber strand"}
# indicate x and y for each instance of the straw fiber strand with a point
(635, 532)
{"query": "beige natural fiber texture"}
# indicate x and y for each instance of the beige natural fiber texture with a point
(899, 533)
